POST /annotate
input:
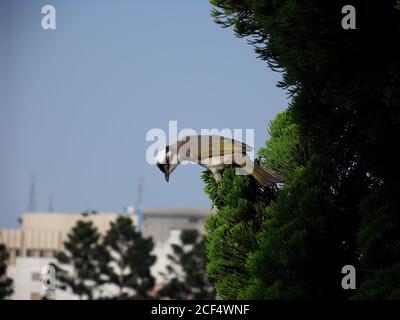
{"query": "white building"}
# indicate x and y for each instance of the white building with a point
(42, 234)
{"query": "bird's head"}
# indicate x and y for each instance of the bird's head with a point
(167, 162)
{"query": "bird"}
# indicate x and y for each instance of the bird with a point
(214, 153)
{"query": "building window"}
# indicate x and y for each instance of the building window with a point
(193, 220)
(17, 252)
(29, 253)
(42, 253)
(174, 236)
(35, 276)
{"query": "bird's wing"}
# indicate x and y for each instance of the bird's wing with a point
(228, 146)
(206, 146)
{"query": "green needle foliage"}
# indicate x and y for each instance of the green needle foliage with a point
(378, 243)
(336, 149)
(289, 242)
(82, 252)
(5, 282)
(116, 266)
(286, 150)
(187, 270)
(240, 204)
(128, 260)
(301, 250)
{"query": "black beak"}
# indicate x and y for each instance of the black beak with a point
(166, 176)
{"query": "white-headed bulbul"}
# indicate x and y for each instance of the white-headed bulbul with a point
(214, 153)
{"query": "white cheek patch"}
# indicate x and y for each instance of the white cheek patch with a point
(160, 158)
(172, 158)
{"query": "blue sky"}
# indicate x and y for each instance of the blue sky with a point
(76, 102)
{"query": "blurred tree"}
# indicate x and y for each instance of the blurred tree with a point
(83, 254)
(128, 260)
(187, 271)
(5, 282)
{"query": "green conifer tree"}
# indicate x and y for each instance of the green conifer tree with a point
(128, 261)
(239, 202)
(187, 270)
(83, 253)
(5, 282)
(345, 102)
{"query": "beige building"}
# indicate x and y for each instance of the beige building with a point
(41, 234)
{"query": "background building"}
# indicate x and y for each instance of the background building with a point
(34, 244)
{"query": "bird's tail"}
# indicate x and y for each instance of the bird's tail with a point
(264, 176)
